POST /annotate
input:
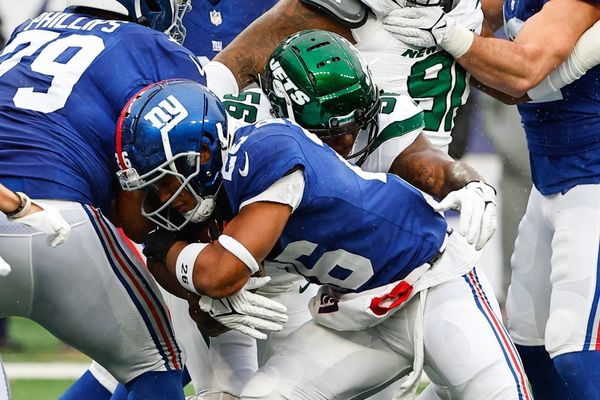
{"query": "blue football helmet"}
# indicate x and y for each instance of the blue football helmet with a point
(162, 15)
(161, 131)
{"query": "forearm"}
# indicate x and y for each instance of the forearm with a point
(216, 273)
(9, 201)
(509, 67)
(166, 279)
(498, 95)
(516, 67)
(432, 170)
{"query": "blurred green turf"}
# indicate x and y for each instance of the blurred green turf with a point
(38, 345)
(38, 389)
(49, 389)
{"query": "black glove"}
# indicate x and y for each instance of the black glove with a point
(158, 243)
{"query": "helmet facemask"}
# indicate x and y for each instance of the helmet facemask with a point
(162, 216)
(177, 30)
(353, 123)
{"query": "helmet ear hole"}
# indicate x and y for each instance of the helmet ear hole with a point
(153, 5)
(204, 153)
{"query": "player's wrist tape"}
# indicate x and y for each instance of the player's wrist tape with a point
(459, 41)
(241, 252)
(186, 261)
(22, 209)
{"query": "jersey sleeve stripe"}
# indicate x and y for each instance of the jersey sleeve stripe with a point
(398, 128)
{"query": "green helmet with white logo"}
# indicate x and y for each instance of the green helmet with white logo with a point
(318, 79)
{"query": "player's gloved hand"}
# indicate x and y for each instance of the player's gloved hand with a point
(47, 220)
(428, 27)
(477, 205)
(158, 243)
(381, 8)
(247, 312)
(4, 267)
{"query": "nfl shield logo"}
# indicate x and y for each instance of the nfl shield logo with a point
(215, 17)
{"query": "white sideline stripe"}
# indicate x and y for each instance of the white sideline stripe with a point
(49, 370)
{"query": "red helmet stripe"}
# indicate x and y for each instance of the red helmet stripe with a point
(122, 116)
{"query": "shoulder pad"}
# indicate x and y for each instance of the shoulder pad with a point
(350, 13)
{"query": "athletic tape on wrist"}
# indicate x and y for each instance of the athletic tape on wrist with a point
(22, 209)
(459, 42)
(184, 268)
(241, 252)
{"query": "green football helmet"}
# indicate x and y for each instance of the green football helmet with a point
(319, 80)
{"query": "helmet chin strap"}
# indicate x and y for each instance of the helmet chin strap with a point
(203, 211)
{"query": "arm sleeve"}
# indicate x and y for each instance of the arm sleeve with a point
(584, 56)
(287, 190)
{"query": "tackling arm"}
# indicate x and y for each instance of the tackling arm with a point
(218, 272)
(432, 170)
(247, 54)
(543, 42)
(516, 67)
(461, 187)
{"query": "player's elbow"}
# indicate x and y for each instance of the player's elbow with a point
(520, 87)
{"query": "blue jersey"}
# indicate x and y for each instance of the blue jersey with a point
(213, 24)
(562, 135)
(353, 229)
(64, 79)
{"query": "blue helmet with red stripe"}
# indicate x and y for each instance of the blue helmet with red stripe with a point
(162, 15)
(163, 130)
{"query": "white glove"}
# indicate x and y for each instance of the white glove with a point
(247, 312)
(381, 8)
(48, 221)
(477, 205)
(428, 27)
(4, 267)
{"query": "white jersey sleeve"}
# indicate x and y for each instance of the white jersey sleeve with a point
(248, 107)
(399, 123)
(430, 76)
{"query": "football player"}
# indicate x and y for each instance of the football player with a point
(431, 77)
(388, 137)
(64, 77)
(399, 291)
(393, 122)
(210, 26)
(19, 208)
(555, 262)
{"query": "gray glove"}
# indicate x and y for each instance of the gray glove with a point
(428, 27)
(247, 312)
(48, 221)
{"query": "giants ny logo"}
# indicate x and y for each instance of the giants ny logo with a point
(166, 115)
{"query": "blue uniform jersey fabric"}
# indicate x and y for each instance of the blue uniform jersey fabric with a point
(212, 25)
(364, 229)
(562, 135)
(64, 79)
